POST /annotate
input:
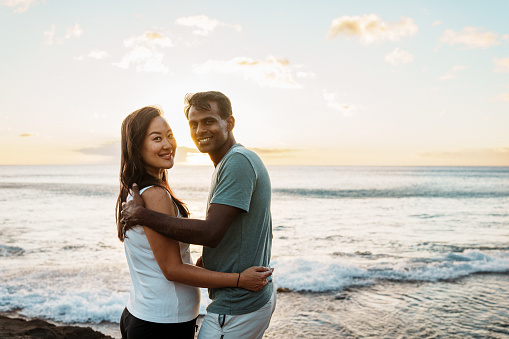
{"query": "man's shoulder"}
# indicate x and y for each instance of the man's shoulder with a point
(239, 152)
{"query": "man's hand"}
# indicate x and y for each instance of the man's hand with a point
(131, 210)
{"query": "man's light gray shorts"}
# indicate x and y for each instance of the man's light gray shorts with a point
(245, 326)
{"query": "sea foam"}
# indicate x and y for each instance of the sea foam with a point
(66, 306)
(336, 275)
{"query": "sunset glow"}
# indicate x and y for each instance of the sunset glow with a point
(315, 83)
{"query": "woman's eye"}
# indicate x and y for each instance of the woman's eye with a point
(157, 138)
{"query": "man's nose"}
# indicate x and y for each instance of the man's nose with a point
(200, 128)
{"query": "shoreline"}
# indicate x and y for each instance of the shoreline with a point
(473, 306)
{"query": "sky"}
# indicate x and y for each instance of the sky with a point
(350, 83)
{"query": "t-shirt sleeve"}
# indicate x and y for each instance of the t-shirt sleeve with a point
(236, 183)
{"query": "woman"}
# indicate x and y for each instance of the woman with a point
(164, 299)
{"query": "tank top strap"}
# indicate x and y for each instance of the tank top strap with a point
(145, 188)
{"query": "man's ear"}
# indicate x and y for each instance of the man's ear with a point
(230, 123)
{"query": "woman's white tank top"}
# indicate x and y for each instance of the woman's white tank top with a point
(152, 297)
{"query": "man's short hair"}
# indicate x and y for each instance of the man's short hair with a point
(200, 101)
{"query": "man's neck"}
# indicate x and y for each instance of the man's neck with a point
(217, 157)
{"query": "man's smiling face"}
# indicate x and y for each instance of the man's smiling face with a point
(209, 131)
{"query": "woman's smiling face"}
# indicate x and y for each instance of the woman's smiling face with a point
(159, 146)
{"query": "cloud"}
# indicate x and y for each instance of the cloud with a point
(145, 52)
(347, 109)
(370, 28)
(204, 25)
(436, 23)
(21, 5)
(305, 75)
(151, 39)
(271, 72)
(470, 156)
(49, 35)
(452, 73)
(97, 54)
(471, 37)
(27, 135)
(398, 57)
(274, 151)
(106, 149)
(280, 156)
(504, 97)
(112, 150)
(74, 31)
(94, 54)
(502, 65)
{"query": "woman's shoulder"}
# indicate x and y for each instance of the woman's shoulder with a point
(154, 192)
(158, 199)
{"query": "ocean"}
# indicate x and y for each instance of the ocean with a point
(358, 252)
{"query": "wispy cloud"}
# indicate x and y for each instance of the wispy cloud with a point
(504, 96)
(94, 54)
(20, 5)
(333, 101)
(398, 57)
(27, 135)
(471, 38)
(274, 151)
(112, 150)
(203, 25)
(72, 32)
(145, 52)
(436, 23)
(271, 72)
(497, 156)
(452, 73)
(370, 28)
(49, 36)
(502, 65)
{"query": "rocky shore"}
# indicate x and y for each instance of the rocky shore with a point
(26, 329)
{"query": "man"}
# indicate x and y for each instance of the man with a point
(237, 231)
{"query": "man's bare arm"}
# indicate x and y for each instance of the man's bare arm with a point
(208, 232)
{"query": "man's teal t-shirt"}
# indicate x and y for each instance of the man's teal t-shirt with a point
(242, 181)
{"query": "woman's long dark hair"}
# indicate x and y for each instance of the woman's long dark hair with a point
(132, 169)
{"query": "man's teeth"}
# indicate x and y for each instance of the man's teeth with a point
(205, 140)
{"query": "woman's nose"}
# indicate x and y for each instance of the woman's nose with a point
(167, 143)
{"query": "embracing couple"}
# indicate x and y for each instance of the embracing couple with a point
(155, 227)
